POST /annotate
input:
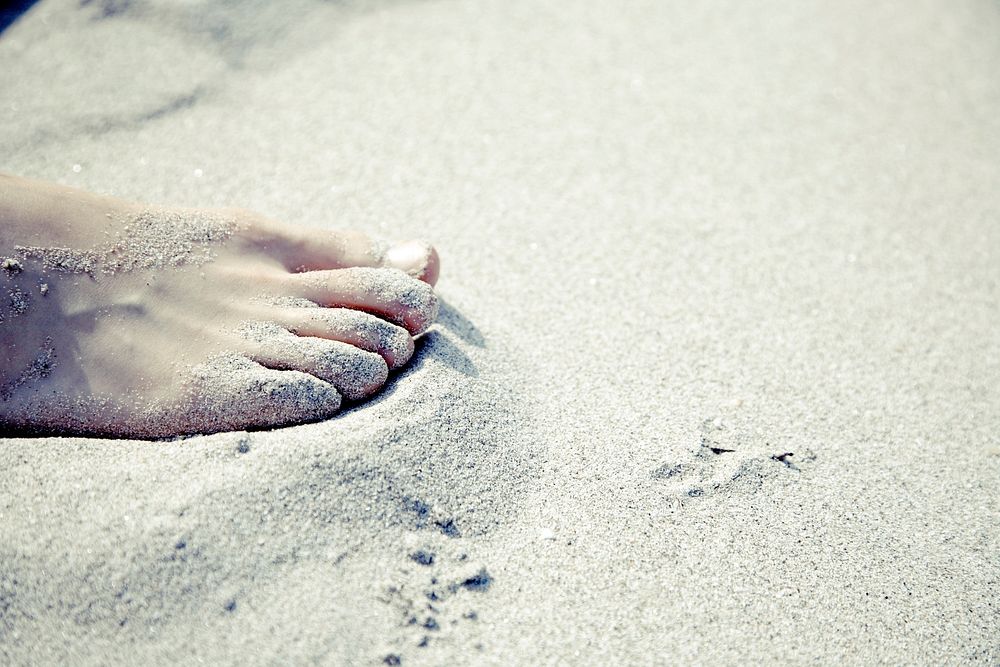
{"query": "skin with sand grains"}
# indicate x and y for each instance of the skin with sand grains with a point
(129, 321)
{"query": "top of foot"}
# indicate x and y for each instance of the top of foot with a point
(123, 320)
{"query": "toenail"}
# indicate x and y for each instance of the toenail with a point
(411, 257)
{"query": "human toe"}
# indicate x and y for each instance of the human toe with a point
(354, 327)
(354, 372)
(415, 258)
(388, 293)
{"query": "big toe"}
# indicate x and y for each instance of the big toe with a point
(417, 258)
(303, 249)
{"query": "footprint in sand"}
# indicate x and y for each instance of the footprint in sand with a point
(435, 597)
(727, 457)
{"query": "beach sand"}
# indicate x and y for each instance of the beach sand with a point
(716, 378)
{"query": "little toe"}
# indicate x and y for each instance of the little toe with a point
(354, 327)
(354, 372)
(388, 293)
(233, 392)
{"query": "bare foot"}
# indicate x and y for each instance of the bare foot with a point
(123, 320)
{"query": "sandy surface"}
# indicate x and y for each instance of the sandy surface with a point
(718, 379)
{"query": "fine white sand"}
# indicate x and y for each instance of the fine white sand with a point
(717, 376)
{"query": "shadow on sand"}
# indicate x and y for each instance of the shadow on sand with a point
(437, 345)
(11, 11)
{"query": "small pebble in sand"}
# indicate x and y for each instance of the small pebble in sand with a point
(480, 581)
(11, 266)
(43, 288)
(422, 557)
(77, 169)
(547, 534)
(19, 302)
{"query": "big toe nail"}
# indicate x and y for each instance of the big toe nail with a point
(416, 258)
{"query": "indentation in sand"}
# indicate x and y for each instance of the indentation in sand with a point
(726, 457)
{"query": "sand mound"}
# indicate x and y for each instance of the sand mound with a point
(136, 538)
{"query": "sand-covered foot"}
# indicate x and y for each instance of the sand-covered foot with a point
(123, 320)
